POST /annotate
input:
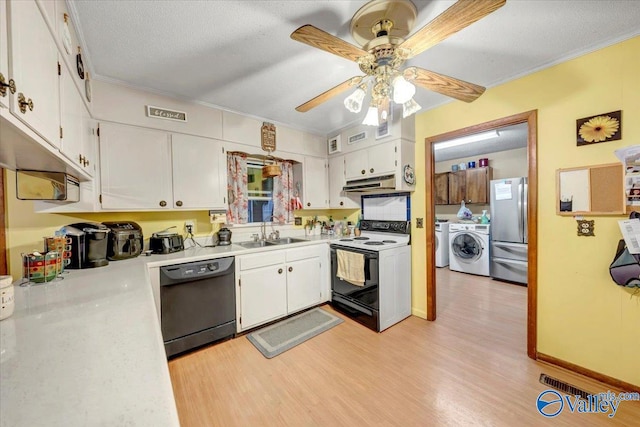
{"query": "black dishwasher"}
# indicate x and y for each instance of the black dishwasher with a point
(197, 304)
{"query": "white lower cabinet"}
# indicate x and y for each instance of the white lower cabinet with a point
(303, 280)
(273, 284)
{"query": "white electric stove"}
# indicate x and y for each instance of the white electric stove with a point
(378, 235)
(384, 298)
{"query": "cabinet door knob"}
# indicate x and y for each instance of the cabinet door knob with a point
(371, 170)
(363, 171)
(179, 203)
(279, 271)
(290, 269)
(86, 162)
(3, 86)
(341, 203)
(163, 203)
(308, 203)
(24, 103)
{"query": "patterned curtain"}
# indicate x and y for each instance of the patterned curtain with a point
(283, 197)
(238, 210)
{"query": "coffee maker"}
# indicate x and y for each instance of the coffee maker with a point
(88, 244)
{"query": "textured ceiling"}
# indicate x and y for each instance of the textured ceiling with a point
(238, 55)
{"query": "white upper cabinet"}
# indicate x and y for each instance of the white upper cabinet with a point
(199, 172)
(145, 169)
(76, 134)
(311, 177)
(135, 168)
(34, 67)
(376, 160)
(4, 56)
(337, 180)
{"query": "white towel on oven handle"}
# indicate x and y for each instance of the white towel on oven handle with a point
(351, 267)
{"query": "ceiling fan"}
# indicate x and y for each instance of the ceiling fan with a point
(380, 27)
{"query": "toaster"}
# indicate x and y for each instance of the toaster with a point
(166, 243)
(125, 240)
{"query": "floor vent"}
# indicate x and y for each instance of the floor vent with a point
(563, 387)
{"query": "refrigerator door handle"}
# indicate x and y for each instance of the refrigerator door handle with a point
(520, 213)
(525, 211)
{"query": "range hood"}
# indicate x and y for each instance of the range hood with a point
(380, 184)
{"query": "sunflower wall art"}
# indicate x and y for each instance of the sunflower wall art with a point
(601, 128)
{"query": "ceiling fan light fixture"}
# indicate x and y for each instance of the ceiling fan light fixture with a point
(371, 119)
(410, 107)
(353, 102)
(403, 91)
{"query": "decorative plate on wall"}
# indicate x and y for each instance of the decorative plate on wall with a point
(409, 176)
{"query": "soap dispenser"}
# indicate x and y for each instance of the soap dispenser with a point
(484, 219)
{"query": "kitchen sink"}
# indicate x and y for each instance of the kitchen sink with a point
(258, 244)
(275, 242)
(286, 241)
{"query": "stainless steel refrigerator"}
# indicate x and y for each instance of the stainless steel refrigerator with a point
(509, 237)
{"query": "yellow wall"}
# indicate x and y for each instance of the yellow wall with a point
(583, 317)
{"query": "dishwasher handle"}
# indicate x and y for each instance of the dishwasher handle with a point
(193, 271)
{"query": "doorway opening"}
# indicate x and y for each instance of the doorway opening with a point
(530, 118)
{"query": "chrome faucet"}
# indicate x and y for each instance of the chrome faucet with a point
(274, 235)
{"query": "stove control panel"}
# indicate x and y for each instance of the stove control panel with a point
(398, 227)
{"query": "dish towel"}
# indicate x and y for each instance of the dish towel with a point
(351, 267)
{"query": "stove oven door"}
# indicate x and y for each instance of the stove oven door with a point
(358, 302)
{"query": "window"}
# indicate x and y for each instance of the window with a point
(260, 192)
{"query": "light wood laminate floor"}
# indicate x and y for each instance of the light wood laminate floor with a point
(469, 367)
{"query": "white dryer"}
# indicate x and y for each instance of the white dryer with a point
(469, 248)
(442, 244)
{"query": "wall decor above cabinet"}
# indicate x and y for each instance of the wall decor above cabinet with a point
(360, 136)
(163, 113)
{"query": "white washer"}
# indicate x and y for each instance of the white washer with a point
(469, 248)
(442, 244)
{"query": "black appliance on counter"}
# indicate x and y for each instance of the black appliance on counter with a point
(166, 242)
(197, 303)
(89, 241)
(125, 240)
(224, 237)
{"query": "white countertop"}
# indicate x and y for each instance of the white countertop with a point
(88, 351)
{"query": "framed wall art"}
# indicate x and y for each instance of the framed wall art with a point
(601, 128)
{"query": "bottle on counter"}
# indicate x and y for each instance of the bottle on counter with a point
(484, 219)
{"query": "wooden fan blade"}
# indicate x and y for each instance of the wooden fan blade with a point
(322, 40)
(455, 88)
(325, 96)
(459, 16)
